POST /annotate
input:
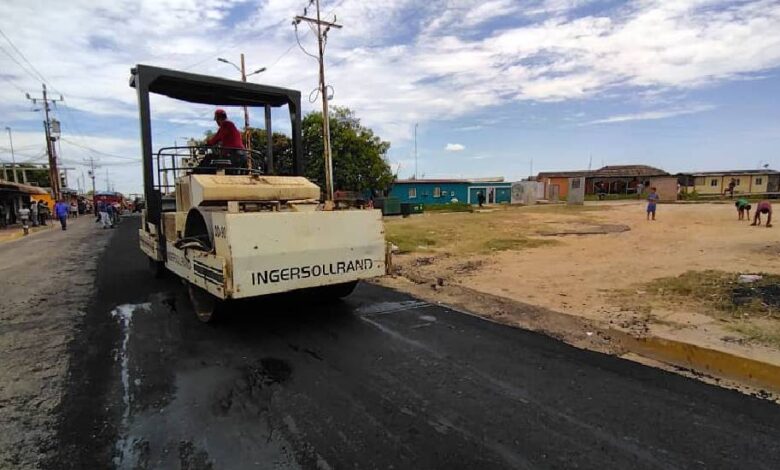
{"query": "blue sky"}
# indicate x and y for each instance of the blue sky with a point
(493, 85)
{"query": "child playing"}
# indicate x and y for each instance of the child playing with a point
(743, 206)
(764, 207)
(652, 199)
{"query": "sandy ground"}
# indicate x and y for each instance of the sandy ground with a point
(46, 280)
(581, 274)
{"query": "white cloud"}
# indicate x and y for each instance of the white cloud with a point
(455, 147)
(656, 114)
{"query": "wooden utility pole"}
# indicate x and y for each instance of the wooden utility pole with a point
(247, 134)
(54, 174)
(321, 38)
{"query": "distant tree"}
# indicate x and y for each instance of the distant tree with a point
(359, 156)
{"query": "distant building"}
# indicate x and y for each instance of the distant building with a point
(746, 181)
(612, 179)
(443, 191)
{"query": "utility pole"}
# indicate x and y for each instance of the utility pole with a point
(13, 158)
(321, 38)
(242, 70)
(108, 186)
(91, 174)
(54, 174)
(415, 150)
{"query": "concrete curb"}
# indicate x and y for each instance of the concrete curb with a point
(14, 235)
(701, 359)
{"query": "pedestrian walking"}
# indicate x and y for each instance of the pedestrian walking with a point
(116, 214)
(61, 210)
(74, 210)
(43, 212)
(103, 211)
(481, 198)
(24, 216)
(34, 213)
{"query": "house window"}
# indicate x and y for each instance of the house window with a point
(736, 181)
(699, 181)
(714, 182)
(412, 193)
(575, 183)
(759, 180)
(437, 192)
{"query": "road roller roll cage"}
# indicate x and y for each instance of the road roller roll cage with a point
(204, 89)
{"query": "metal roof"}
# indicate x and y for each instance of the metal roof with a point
(622, 171)
(21, 188)
(733, 172)
(205, 89)
(609, 171)
(497, 179)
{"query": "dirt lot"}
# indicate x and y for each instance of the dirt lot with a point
(676, 277)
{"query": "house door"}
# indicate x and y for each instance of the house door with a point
(491, 199)
(554, 192)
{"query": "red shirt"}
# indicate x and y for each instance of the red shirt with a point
(228, 135)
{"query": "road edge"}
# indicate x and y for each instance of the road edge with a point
(713, 366)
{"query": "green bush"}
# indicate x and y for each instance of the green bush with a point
(449, 207)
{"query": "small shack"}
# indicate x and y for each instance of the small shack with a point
(611, 179)
(444, 191)
(13, 196)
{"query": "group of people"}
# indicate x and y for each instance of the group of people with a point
(763, 207)
(38, 212)
(742, 204)
(108, 214)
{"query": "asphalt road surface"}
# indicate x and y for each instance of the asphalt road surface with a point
(379, 380)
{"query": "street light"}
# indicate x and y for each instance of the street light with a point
(229, 62)
(242, 71)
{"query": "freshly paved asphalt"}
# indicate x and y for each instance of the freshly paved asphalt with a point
(379, 380)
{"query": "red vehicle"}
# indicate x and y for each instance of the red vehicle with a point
(110, 197)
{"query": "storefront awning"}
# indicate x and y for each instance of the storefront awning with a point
(8, 186)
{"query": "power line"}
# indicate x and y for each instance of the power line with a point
(322, 37)
(40, 75)
(86, 147)
(19, 64)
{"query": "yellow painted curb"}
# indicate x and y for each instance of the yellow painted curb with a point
(7, 235)
(700, 359)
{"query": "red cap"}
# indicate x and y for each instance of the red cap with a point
(220, 113)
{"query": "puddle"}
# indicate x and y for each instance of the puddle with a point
(390, 307)
(124, 315)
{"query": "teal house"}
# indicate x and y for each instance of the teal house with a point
(443, 191)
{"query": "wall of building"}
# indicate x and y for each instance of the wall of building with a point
(561, 183)
(502, 192)
(746, 183)
(425, 192)
(666, 186)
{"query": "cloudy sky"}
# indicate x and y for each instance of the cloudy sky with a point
(496, 87)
